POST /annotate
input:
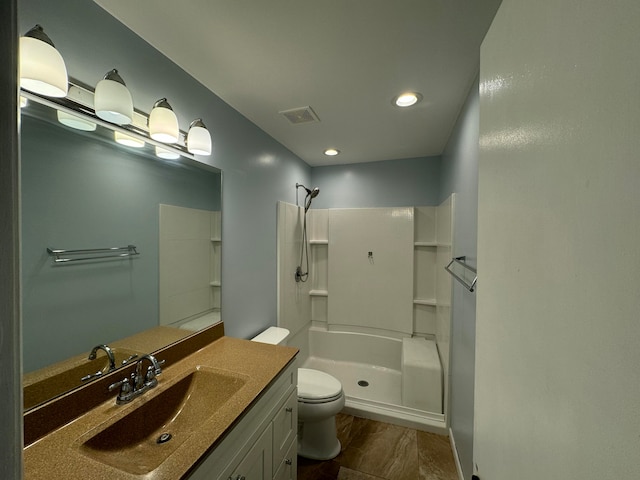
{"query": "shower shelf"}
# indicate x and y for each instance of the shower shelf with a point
(425, 244)
(319, 242)
(318, 293)
(216, 239)
(423, 301)
(214, 284)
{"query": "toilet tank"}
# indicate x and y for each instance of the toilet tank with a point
(272, 335)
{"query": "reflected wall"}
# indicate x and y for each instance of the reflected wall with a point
(79, 192)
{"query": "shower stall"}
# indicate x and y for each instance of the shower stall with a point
(374, 310)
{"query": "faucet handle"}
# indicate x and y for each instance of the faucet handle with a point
(123, 385)
(150, 378)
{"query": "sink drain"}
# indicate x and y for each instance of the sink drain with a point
(164, 438)
(363, 383)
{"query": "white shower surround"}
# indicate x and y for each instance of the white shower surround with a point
(370, 352)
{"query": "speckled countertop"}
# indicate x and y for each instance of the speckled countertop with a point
(59, 454)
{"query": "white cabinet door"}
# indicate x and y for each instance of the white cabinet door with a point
(285, 427)
(257, 463)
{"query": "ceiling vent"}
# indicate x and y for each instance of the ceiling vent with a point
(296, 116)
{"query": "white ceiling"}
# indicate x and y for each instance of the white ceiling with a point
(346, 59)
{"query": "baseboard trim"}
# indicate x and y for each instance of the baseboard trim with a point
(455, 455)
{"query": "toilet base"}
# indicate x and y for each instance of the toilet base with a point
(318, 440)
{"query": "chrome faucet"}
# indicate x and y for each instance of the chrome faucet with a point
(149, 378)
(140, 381)
(108, 351)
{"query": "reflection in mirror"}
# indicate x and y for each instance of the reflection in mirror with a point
(81, 190)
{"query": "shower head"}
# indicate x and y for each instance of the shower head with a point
(311, 194)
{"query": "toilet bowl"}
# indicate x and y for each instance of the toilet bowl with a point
(320, 398)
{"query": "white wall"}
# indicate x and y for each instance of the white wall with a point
(558, 331)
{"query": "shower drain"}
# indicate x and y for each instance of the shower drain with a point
(363, 383)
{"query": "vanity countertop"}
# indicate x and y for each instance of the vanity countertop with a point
(58, 454)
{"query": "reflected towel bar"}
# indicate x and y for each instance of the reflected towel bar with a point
(461, 261)
(64, 256)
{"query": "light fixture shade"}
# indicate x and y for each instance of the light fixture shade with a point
(163, 123)
(198, 138)
(166, 154)
(112, 99)
(42, 68)
(76, 122)
(128, 140)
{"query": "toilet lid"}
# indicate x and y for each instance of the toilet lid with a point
(317, 385)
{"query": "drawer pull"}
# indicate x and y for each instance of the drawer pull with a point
(288, 461)
(288, 409)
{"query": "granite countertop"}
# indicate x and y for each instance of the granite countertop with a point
(58, 454)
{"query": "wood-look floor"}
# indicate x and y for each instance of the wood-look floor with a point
(379, 451)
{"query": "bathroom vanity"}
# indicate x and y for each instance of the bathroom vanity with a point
(228, 410)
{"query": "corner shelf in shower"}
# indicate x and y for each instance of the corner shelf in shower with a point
(319, 242)
(216, 240)
(431, 302)
(215, 284)
(318, 293)
(425, 244)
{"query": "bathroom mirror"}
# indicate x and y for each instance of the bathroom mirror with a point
(82, 190)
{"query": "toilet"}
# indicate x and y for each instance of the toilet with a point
(320, 398)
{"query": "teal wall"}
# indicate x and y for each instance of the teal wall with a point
(460, 175)
(393, 183)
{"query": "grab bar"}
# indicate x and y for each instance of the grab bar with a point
(64, 256)
(461, 261)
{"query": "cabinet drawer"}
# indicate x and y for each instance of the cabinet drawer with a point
(287, 470)
(285, 427)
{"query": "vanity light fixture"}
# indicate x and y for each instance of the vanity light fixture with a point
(163, 123)
(76, 122)
(198, 138)
(42, 68)
(112, 99)
(166, 154)
(407, 99)
(331, 152)
(128, 140)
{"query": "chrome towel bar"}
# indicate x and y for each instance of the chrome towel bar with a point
(461, 261)
(63, 256)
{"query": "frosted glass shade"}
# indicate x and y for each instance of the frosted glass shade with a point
(163, 123)
(198, 139)
(128, 140)
(112, 100)
(42, 68)
(166, 154)
(76, 122)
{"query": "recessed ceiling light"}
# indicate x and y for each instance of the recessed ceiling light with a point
(331, 152)
(407, 99)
